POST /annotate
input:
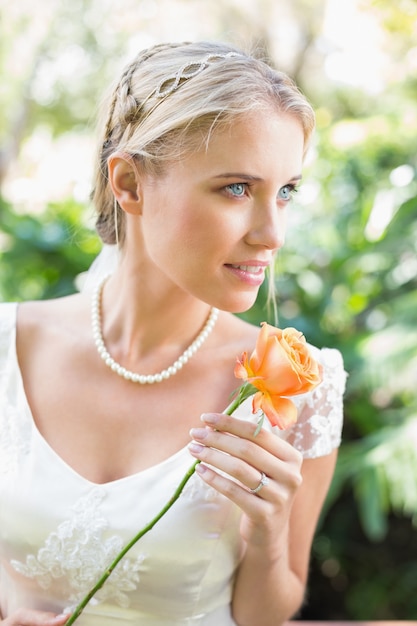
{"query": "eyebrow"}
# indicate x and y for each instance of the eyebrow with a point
(249, 177)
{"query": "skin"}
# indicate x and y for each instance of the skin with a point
(186, 233)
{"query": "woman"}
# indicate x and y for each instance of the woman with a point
(200, 151)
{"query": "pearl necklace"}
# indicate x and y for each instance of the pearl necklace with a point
(144, 379)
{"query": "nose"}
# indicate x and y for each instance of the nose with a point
(268, 225)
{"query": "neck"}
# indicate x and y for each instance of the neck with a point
(135, 326)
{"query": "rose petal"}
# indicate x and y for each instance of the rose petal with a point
(240, 370)
(281, 412)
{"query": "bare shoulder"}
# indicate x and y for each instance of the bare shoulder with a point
(38, 321)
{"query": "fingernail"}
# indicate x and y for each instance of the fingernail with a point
(195, 447)
(200, 468)
(198, 433)
(210, 418)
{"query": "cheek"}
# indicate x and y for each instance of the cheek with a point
(191, 230)
(174, 236)
(186, 231)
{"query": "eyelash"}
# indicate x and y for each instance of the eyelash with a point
(229, 187)
(292, 190)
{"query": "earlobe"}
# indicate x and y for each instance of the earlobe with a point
(125, 182)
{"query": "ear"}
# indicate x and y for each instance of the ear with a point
(124, 180)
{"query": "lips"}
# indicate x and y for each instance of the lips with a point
(251, 269)
(251, 273)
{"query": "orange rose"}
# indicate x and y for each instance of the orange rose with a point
(281, 365)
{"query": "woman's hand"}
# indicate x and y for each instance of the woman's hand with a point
(230, 445)
(270, 581)
(278, 521)
(28, 617)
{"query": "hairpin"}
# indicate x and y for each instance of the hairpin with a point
(186, 71)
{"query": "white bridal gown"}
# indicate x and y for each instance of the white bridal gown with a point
(59, 531)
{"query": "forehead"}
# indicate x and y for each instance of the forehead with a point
(264, 138)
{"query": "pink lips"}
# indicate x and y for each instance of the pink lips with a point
(250, 272)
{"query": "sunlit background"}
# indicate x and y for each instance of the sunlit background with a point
(348, 274)
(60, 56)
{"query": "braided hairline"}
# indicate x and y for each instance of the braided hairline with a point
(123, 88)
(122, 91)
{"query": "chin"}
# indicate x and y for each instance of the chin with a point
(238, 306)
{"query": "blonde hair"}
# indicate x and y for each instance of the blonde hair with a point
(158, 130)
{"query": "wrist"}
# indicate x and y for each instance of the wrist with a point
(268, 553)
(268, 545)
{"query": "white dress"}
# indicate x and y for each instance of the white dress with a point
(59, 531)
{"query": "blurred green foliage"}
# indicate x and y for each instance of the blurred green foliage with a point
(42, 255)
(347, 278)
(354, 287)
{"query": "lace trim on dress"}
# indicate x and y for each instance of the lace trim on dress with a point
(319, 427)
(79, 551)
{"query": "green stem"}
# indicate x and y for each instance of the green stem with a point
(81, 606)
(77, 612)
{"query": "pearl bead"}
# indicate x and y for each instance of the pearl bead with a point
(144, 379)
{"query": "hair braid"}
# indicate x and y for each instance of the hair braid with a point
(129, 106)
(124, 109)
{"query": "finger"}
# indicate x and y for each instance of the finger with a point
(246, 430)
(238, 494)
(244, 460)
(247, 475)
(57, 620)
(283, 478)
(26, 617)
(262, 507)
(238, 447)
(233, 448)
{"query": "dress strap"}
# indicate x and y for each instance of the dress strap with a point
(8, 311)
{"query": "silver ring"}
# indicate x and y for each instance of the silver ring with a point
(264, 481)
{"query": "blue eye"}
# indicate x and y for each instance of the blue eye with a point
(237, 189)
(286, 192)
